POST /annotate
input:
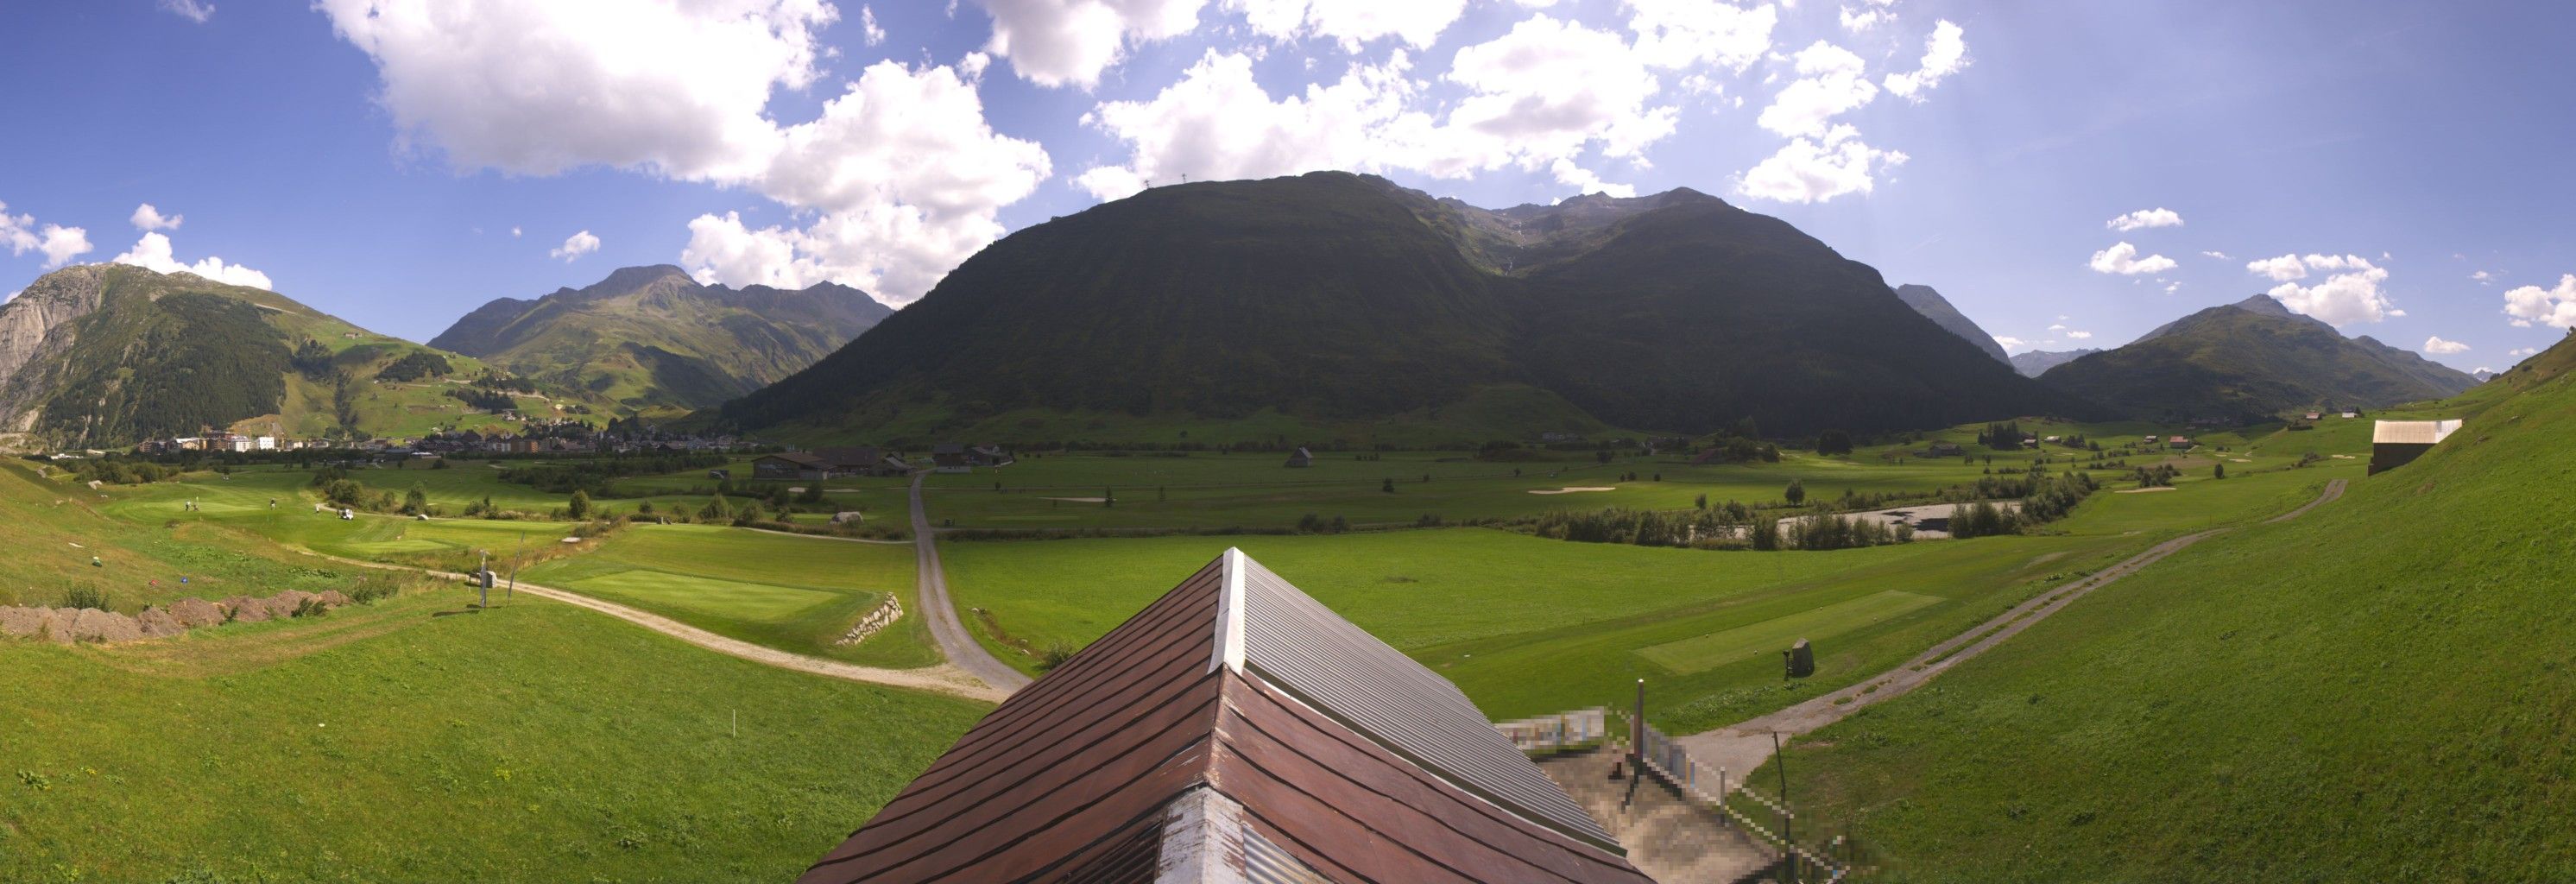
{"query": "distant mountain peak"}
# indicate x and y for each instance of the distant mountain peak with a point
(2266, 305)
(1928, 302)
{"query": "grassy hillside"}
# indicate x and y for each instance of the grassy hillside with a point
(1336, 300)
(2376, 691)
(2251, 362)
(113, 354)
(652, 340)
(411, 740)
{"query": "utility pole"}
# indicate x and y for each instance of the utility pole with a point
(515, 558)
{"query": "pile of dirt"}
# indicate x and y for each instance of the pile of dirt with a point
(68, 625)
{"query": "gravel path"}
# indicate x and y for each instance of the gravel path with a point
(944, 679)
(1739, 748)
(954, 640)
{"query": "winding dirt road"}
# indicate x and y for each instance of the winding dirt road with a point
(1740, 747)
(944, 679)
(954, 640)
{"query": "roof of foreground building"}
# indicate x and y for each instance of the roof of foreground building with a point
(1234, 730)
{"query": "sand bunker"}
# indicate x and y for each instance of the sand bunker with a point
(1570, 489)
(2145, 490)
(2242, 459)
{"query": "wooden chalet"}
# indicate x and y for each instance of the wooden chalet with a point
(1302, 458)
(1233, 731)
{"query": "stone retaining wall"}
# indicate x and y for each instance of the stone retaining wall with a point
(880, 618)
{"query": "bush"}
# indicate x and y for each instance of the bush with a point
(84, 595)
(310, 608)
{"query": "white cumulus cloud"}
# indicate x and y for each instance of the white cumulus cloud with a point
(146, 217)
(2350, 293)
(2122, 258)
(197, 11)
(1071, 42)
(1677, 34)
(1944, 53)
(1537, 98)
(1807, 171)
(2080, 335)
(2522, 351)
(2155, 217)
(2009, 342)
(152, 252)
(2483, 277)
(2439, 347)
(2554, 307)
(575, 246)
(868, 29)
(57, 243)
(681, 90)
(1831, 81)
(1417, 23)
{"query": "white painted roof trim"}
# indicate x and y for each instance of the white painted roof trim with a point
(1229, 614)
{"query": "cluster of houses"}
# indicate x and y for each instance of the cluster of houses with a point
(223, 442)
(560, 438)
(868, 460)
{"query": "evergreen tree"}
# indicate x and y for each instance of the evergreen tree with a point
(1796, 493)
(579, 506)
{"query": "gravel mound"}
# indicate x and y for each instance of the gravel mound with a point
(193, 613)
(94, 625)
(159, 623)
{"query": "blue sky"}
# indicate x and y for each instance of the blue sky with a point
(398, 163)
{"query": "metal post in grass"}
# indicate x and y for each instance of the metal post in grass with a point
(515, 557)
(1788, 817)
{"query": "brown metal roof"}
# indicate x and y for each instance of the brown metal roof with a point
(1075, 776)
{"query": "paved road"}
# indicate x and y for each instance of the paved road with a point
(960, 646)
(1739, 748)
(943, 679)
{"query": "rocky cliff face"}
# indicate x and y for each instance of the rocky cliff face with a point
(37, 326)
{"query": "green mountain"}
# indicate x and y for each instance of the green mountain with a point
(1331, 298)
(2251, 361)
(1929, 302)
(650, 339)
(108, 354)
(2037, 362)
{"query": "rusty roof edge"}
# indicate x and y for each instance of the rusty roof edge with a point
(1463, 784)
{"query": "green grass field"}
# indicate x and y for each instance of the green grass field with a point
(1256, 490)
(531, 742)
(2378, 691)
(1529, 626)
(794, 593)
(1705, 652)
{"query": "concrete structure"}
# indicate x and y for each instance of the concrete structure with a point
(2395, 444)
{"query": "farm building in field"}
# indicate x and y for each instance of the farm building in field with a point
(950, 457)
(2179, 443)
(990, 456)
(2395, 444)
(790, 465)
(1303, 458)
(861, 460)
(1234, 730)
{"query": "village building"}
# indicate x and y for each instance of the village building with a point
(2395, 444)
(950, 457)
(861, 460)
(2179, 443)
(1234, 730)
(791, 465)
(1301, 458)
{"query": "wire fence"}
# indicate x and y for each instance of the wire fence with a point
(1813, 856)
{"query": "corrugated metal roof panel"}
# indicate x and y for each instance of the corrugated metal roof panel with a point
(1327, 662)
